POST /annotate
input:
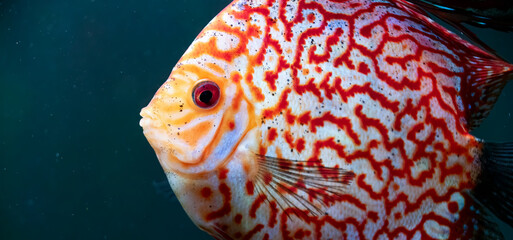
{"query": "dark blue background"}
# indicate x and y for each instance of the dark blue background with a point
(74, 75)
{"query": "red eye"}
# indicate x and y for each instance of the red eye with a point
(206, 94)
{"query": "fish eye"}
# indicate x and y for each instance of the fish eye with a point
(206, 94)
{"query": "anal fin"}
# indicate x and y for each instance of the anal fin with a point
(494, 189)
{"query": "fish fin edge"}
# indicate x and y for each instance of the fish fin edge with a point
(494, 187)
(484, 225)
(488, 72)
(487, 79)
(457, 14)
(421, 14)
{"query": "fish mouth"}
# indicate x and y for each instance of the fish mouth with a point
(156, 133)
(152, 128)
(148, 118)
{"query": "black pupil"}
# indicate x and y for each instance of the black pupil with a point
(206, 96)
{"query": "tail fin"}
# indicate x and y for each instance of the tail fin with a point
(495, 184)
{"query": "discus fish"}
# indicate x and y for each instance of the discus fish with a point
(332, 119)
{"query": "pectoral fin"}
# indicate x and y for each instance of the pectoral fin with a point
(305, 186)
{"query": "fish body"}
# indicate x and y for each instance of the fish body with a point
(329, 120)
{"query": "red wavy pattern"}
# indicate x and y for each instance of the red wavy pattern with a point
(422, 64)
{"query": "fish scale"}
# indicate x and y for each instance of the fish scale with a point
(337, 120)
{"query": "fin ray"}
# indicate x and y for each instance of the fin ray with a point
(495, 187)
(303, 185)
(488, 78)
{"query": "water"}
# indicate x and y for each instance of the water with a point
(73, 76)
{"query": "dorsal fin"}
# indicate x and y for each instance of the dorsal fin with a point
(492, 14)
(487, 72)
(488, 78)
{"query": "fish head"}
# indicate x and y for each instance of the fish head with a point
(200, 116)
(201, 120)
(195, 120)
